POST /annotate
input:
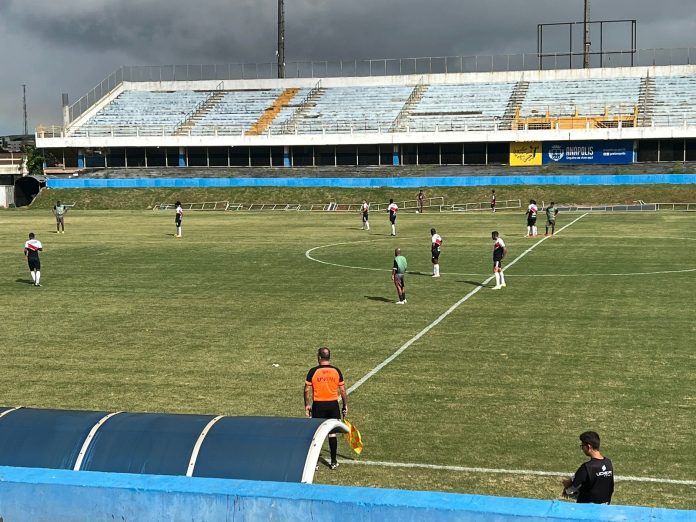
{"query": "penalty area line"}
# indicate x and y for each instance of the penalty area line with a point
(529, 472)
(447, 312)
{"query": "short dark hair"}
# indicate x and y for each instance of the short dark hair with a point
(324, 353)
(533, 201)
(494, 234)
(552, 203)
(178, 203)
(590, 438)
(432, 231)
(31, 235)
(391, 200)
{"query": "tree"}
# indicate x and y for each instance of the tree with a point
(33, 160)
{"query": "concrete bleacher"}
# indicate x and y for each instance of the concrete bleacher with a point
(347, 109)
(566, 98)
(475, 106)
(144, 112)
(674, 100)
(236, 112)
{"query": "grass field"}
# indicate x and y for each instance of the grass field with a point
(595, 331)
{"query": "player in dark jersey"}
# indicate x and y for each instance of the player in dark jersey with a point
(593, 482)
(499, 253)
(322, 386)
(493, 200)
(32, 247)
(551, 213)
(420, 198)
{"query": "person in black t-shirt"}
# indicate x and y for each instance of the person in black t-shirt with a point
(593, 482)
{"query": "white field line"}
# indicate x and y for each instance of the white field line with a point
(447, 312)
(509, 471)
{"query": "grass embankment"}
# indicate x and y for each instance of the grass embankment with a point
(140, 199)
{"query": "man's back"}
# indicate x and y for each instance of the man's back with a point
(596, 480)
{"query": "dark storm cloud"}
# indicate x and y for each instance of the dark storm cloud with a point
(72, 44)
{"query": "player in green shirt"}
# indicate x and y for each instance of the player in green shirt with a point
(59, 211)
(397, 274)
(551, 212)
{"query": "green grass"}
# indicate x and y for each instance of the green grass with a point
(141, 199)
(131, 319)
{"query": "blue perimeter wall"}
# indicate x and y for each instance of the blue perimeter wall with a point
(44, 494)
(415, 182)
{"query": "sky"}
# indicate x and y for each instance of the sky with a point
(57, 46)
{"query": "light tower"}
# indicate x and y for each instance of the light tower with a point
(281, 39)
(586, 37)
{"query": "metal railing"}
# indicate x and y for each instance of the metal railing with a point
(370, 67)
(485, 205)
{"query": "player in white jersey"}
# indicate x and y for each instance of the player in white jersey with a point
(435, 246)
(31, 250)
(499, 253)
(365, 210)
(392, 209)
(178, 218)
(531, 218)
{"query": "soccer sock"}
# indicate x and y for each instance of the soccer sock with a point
(497, 279)
(553, 229)
(502, 278)
(393, 230)
(33, 276)
(367, 225)
(333, 446)
(534, 230)
(38, 276)
(529, 231)
(547, 230)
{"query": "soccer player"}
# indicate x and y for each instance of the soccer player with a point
(59, 211)
(493, 200)
(421, 199)
(398, 274)
(499, 253)
(392, 209)
(551, 212)
(365, 209)
(178, 218)
(322, 387)
(436, 244)
(531, 213)
(593, 482)
(31, 250)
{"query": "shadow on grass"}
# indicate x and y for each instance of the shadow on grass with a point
(379, 299)
(429, 274)
(474, 283)
(25, 281)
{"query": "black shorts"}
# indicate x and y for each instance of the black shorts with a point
(435, 254)
(34, 263)
(365, 217)
(326, 410)
(177, 221)
(60, 220)
(551, 222)
(531, 221)
(392, 218)
(497, 263)
(400, 279)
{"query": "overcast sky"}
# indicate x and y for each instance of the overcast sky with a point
(56, 46)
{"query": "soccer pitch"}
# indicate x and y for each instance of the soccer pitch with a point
(595, 331)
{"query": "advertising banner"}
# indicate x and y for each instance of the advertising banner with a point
(588, 152)
(525, 153)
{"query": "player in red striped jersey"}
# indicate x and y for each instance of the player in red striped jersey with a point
(178, 218)
(435, 246)
(31, 250)
(531, 218)
(392, 209)
(499, 253)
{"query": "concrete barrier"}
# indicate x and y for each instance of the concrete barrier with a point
(415, 182)
(41, 494)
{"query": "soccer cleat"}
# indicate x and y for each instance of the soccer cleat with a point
(497, 287)
(37, 284)
(400, 302)
(405, 301)
(503, 285)
(436, 275)
(333, 465)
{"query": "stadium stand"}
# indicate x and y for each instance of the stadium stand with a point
(674, 100)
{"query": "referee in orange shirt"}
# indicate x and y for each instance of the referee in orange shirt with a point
(322, 386)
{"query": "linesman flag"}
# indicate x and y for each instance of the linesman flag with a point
(353, 437)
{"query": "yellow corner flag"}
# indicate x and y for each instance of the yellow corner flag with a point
(353, 437)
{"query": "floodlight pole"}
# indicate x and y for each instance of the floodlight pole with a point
(586, 37)
(24, 98)
(281, 39)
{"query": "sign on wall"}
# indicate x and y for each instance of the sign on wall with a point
(588, 152)
(525, 153)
